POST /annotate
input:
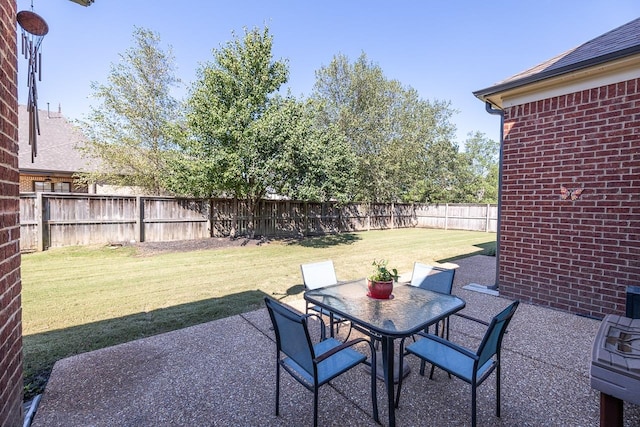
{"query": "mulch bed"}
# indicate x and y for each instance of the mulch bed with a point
(152, 248)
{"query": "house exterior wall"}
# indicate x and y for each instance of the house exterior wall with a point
(10, 285)
(27, 180)
(571, 251)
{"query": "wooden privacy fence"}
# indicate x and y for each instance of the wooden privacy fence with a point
(55, 220)
(458, 216)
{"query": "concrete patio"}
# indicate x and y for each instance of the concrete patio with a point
(222, 373)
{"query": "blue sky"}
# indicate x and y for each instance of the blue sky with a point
(443, 49)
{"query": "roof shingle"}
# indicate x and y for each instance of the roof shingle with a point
(617, 43)
(56, 144)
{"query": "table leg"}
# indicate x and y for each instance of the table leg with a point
(331, 324)
(611, 411)
(387, 363)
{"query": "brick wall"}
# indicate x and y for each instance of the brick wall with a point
(10, 286)
(576, 252)
(26, 182)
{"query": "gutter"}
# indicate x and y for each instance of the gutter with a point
(498, 112)
(31, 412)
(46, 172)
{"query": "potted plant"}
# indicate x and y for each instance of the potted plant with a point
(380, 282)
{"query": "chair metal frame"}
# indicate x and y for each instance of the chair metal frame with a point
(487, 358)
(314, 365)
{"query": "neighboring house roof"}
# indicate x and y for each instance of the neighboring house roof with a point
(612, 46)
(56, 145)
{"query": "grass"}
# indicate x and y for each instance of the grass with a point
(79, 299)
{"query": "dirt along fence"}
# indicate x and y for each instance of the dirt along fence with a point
(56, 220)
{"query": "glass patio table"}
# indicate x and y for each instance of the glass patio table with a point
(409, 310)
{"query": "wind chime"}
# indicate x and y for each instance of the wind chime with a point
(34, 28)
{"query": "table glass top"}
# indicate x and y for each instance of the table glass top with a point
(409, 310)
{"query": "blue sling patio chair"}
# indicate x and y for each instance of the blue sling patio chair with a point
(471, 367)
(435, 279)
(313, 365)
(319, 275)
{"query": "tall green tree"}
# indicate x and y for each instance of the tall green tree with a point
(481, 155)
(243, 139)
(402, 143)
(128, 134)
(318, 163)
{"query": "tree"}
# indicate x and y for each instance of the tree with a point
(403, 143)
(243, 139)
(482, 156)
(317, 163)
(128, 133)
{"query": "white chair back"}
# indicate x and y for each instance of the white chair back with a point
(433, 278)
(420, 272)
(318, 274)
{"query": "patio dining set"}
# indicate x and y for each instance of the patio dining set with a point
(415, 316)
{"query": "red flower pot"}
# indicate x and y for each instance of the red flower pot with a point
(380, 290)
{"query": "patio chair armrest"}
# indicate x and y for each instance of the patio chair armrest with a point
(451, 345)
(473, 319)
(339, 348)
(323, 326)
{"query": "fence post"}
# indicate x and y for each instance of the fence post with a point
(234, 217)
(210, 222)
(486, 227)
(393, 215)
(305, 219)
(446, 216)
(139, 229)
(39, 214)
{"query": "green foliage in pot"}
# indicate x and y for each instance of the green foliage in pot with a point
(381, 273)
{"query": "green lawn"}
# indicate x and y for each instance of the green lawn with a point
(80, 299)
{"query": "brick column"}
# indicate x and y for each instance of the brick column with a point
(10, 285)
